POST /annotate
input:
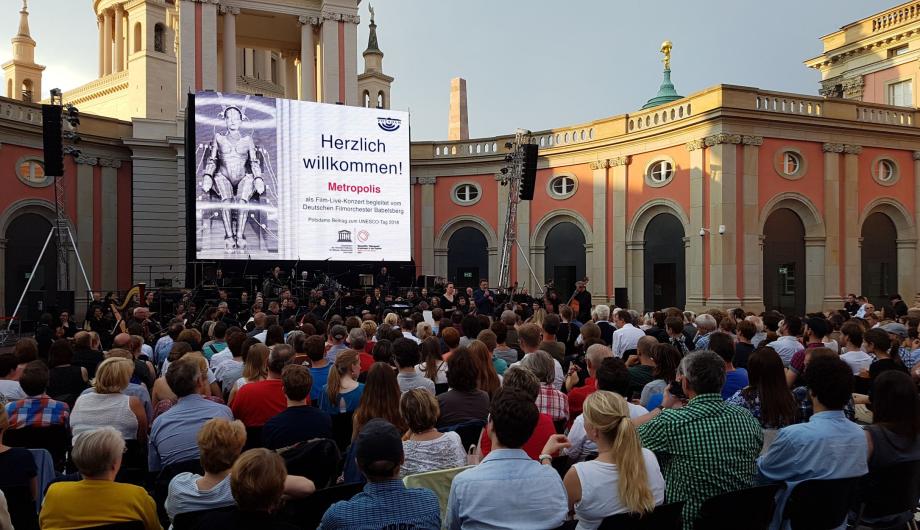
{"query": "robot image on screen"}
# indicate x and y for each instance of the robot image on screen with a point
(236, 195)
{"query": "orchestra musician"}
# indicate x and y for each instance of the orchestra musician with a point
(219, 279)
(583, 298)
(383, 281)
(273, 284)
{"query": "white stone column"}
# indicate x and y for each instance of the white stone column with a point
(186, 56)
(266, 73)
(100, 23)
(208, 46)
(282, 72)
(833, 257)
(814, 273)
(307, 58)
(723, 210)
(119, 38)
(694, 261)
(329, 49)
(907, 249)
(752, 299)
(427, 220)
(852, 258)
(351, 61)
(107, 42)
(84, 219)
(229, 45)
(635, 264)
(598, 267)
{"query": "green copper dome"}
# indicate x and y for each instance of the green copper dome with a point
(666, 92)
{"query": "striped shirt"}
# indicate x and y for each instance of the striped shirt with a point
(40, 411)
(184, 495)
(707, 448)
(387, 504)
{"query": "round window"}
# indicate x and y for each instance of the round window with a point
(466, 194)
(660, 172)
(885, 171)
(792, 162)
(562, 187)
(31, 171)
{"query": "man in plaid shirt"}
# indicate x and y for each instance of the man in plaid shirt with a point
(707, 446)
(37, 410)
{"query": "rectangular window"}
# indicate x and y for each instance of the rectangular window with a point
(901, 94)
(898, 50)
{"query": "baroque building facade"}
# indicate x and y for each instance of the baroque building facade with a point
(730, 196)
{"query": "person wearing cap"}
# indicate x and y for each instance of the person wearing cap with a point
(899, 306)
(385, 502)
(509, 489)
(897, 332)
(337, 334)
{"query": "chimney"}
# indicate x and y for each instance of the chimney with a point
(458, 128)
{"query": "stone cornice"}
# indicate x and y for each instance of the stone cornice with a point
(693, 145)
(852, 149)
(313, 21)
(916, 155)
(342, 17)
(82, 159)
(832, 148)
(600, 164)
(425, 180)
(752, 140)
(722, 138)
(230, 10)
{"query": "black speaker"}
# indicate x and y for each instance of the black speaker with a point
(620, 298)
(528, 172)
(52, 141)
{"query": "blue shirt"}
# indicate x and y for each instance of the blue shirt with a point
(388, 504)
(702, 342)
(174, 436)
(734, 381)
(352, 399)
(161, 350)
(909, 357)
(334, 350)
(829, 446)
(320, 376)
(507, 489)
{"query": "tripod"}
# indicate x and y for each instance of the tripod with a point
(54, 228)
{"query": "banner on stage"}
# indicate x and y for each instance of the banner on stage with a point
(287, 180)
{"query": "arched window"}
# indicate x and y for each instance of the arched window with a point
(366, 98)
(27, 90)
(159, 38)
(381, 101)
(138, 37)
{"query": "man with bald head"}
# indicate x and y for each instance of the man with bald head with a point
(259, 319)
(577, 394)
(143, 370)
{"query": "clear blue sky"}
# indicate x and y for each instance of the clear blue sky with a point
(534, 64)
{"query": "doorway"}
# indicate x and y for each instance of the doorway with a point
(879, 259)
(664, 258)
(25, 236)
(467, 253)
(467, 277)
(564, 258)
(784, 263)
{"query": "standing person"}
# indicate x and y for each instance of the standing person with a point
(828, 446)
(508, 489)
(710, 446)
(448, 300)
(583, 297)
(485, 303)
(622, 467)
(385, 501)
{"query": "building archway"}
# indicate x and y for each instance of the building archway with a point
(879, 258)
(443, 244)
(784, 285)
(657, 236)
(25, 234)
(888, 250)
(560, 250)
(467, 257)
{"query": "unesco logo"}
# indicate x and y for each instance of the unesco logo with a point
(389, 124)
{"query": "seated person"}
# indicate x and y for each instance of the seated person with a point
(464, 401)
(521, 378)
(107, 404)
(18, 474)
(385, 501)
(257, 482)
(37, 410)
(508, 489)
(299, 422)
(173, 437)
(257, 402)
(624, 478)
(427, 449)
(97, 499)
(828, 446)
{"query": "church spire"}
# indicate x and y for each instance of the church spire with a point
(23, 76)
(24, 21)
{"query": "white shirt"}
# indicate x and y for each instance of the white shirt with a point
(600, 496)
(786, 346)
(857, 359)
(861, 312)
(410, 336)
(11, 390)
(559, 377)
(626, 338)
(220, 357)
(581, 445)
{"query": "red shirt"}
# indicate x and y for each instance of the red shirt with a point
(577, 398)
(535, 443)
(366, 361)
(256, 403)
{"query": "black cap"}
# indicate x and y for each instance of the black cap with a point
(378, 441)
(338, 332)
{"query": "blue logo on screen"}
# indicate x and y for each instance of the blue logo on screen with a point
(389, 124)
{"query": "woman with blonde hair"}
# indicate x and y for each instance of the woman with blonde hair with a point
(392, 319)
(342, 391)
(255, 368)
(423, 331)
(106, 405)
(624, 478)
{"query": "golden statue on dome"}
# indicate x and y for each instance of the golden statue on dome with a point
(666, 50)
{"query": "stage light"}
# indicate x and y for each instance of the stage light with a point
(504, 171)
(508, 145)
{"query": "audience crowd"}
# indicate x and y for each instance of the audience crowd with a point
(534, 419)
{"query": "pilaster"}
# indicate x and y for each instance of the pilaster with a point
(814, 273)
(723, 210)
(3, 308)
(119, 37)
(229, 48)
(307, 58)
(208, 46)
(694, 262)
(833, 255)
(916, 291)
(752, 250)
(524, 277)
(619, 168)
(107, 41)
(84, 218)
(598, 272)
(852, 260)
(427, 220)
